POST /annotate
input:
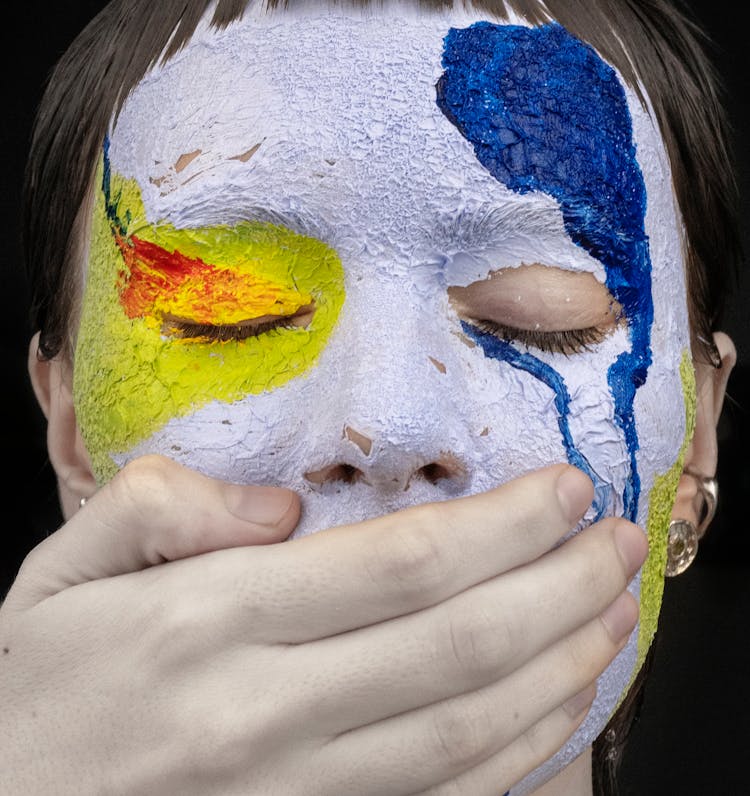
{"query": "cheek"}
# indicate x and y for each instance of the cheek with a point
(551, 408)
(130, 379)
(660, 465)
(664, 414)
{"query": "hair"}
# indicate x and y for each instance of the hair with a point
(658, 49)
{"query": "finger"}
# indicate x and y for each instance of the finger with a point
(152, 511)
(477, 637)
(441, 742)
(500, 773)
(352, 576)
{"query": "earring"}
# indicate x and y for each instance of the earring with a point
(82, 502)
(683, 536)
(682, 547)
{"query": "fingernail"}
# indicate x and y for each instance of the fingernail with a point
(620, 617)
(581, 702)
(632, 545)
(262, 505)
(574, 492)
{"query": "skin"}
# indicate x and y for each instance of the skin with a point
(421, 593)
(405, 583)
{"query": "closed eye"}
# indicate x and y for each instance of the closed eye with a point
(547, 308)
(185, 329)
(567, 342)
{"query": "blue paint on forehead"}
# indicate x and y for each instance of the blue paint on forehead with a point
(545, 113)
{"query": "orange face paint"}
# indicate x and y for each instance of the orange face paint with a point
(159, 283)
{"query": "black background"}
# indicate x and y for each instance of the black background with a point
(693, 736)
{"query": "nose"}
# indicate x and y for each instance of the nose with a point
(396, 413)
(385, 465)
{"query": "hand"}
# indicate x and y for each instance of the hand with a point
(146, 647)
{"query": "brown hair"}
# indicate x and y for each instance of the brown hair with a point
(651, 43)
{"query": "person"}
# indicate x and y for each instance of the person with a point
(429, 293)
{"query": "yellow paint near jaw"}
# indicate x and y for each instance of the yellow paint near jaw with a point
(661, 501)
(130, 378)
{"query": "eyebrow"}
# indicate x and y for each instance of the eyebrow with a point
(487, 224)
(300, 221)
(518, 233)
(490, 220)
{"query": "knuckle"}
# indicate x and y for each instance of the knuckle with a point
(594, 575)
(173, 632)
(412, 561)
(193, 742)
(219, 735)
(460, 735)
(142, 484)
(478, 643)
(216, 745)
(33, 562)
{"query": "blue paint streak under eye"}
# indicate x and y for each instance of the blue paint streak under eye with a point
(545, 113)
(496, 348)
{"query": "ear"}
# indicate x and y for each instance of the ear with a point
(52, 381)
(702, 453)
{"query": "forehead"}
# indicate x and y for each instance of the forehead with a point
(327, 121)
(319, 105)
(330, 108)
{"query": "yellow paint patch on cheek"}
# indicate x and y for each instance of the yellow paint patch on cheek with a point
(661, 501)
(131, 376)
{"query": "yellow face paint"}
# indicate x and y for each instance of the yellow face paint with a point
(661, 501)
(167, 313)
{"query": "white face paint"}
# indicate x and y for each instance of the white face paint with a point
(354, 150)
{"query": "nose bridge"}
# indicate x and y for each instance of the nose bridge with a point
(393, 403)
(394, 382)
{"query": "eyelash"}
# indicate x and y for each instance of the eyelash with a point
(569, 342)
(223, 333)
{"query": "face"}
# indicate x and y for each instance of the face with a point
(445, 257)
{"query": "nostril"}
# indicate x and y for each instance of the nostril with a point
(433, 472)
(346, 473)
(445, 467)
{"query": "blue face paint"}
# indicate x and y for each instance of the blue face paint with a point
(118, 225)
(545, 113)
(501, 349)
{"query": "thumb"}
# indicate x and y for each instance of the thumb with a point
(153, 510)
